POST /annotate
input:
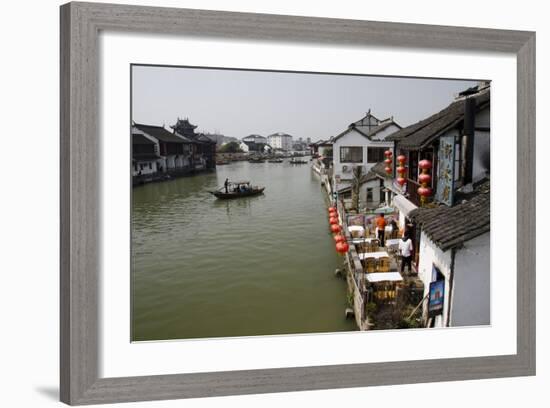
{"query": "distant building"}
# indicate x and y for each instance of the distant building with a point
(254, 144)
(221, 139)
(282, 141)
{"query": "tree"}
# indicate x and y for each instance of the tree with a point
(231, 147)
(356, 186)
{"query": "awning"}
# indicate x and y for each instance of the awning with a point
(403, 205)
(384, 277)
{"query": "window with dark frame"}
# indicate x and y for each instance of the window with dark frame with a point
(375, 154)
(369, 195)
(351, 154)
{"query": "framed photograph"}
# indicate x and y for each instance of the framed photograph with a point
(249, 199)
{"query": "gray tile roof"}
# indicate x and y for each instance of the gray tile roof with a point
(160, 133)
(450, 227)
(140, 139)
(367, 132)
(422, 133)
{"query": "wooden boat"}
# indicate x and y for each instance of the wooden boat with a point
(297, 161)
(256, 160)
(222, 162)
(238, 189)
(275, 161)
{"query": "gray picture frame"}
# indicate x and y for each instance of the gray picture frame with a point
(81, 24)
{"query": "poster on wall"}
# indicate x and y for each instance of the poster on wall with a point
(436, 299)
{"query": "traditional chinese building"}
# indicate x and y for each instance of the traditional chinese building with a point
(204, 148)
(144, 156)
(439, 182)
(174, 151)
(363, 144)
(455, 259)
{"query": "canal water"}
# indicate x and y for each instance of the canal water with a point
(203, 267)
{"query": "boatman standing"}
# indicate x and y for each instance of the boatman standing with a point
(226, 185)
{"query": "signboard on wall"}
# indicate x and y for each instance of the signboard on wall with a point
(436, 298)
(446, 167)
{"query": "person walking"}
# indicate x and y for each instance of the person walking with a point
(405, 248)
(381, 227)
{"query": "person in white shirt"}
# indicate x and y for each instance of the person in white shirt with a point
(405, 248)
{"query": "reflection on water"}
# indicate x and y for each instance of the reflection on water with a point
(259, 265)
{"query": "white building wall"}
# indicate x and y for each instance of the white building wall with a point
(352, 139)
(244, 147)
(471, 288)
(429, 255)
(142, 168)
(377, 197)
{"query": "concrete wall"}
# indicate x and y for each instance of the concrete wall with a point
(471, 288)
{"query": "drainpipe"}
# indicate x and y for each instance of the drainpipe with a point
(451, 280)
(469, 131)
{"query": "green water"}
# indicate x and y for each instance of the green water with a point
(260, 265)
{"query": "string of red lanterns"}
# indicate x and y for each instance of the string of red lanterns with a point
(401, 170)
(388, 153)
(424, 191)
(342, 246)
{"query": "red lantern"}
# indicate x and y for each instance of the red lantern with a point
(331, 209)
(401, 181)
(333, 220)
(424, 178)
(339, 238)
(424, 191)
(425, 164)
(401, 170)
(342, 247)
(387, 161)
(388, 153)
(333, 214)
(335, 228)
(388, 170)
(401, 159)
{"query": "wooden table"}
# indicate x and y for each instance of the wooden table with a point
(375, 255)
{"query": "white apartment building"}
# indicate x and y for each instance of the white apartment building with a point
(280, 140)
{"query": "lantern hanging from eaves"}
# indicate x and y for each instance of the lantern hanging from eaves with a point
(388, 153)
(424, 191)
(401, 170)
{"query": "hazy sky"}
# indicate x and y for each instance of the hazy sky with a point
(239, 103)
